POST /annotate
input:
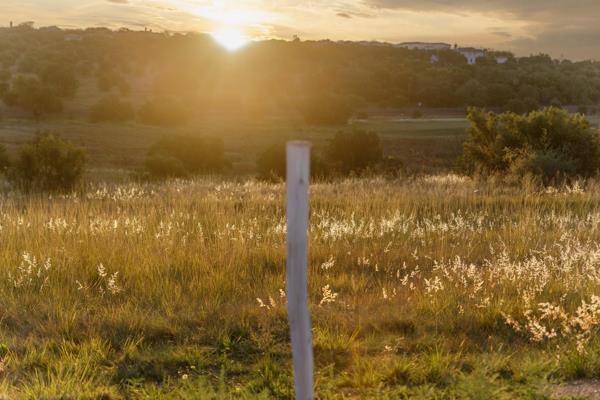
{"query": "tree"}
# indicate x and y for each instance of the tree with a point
(544, 143)
(354, 151)
(48, 163)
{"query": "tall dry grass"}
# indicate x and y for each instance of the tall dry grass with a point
(142, 291)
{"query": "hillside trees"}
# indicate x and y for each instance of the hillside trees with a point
(32, 95)
(334, 79)
(60, 78)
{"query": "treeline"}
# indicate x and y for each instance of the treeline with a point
(326, 82)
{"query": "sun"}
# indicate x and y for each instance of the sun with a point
(231, 38)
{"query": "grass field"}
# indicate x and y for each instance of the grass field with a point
(432, 287)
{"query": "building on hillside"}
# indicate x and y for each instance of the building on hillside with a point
(471, 54)
(424, 46)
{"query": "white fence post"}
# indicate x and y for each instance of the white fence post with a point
(298, 173)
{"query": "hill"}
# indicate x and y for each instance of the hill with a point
(276, 76)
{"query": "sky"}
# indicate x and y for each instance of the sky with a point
(558, 27)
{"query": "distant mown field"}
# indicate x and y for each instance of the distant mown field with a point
(421, 288)
(113, 149)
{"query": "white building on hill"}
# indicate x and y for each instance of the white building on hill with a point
(471, 54)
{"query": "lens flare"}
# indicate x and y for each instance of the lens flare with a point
(230, 38)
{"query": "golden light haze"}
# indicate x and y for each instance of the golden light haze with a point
(551, 26)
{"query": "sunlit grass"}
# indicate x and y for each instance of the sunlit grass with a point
(143, 291)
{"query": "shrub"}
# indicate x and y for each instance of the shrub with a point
(327, 109)
(354, 151)
(544, 164)
(163, 112)
(390, 166)
(180, 156)
(48, 163)
(546, 142)
(271, 163)
(111, 109)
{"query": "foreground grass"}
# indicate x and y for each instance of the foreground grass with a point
(437, 287)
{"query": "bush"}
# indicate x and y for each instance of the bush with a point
(271, 163)
(48, 163)
(546, 143)
(327, 109)
(354, 151)
(111, 109)
(546, 165)
(163, 112)
(390, 166)
(181, 156)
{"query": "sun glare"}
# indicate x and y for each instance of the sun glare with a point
(230, 38)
